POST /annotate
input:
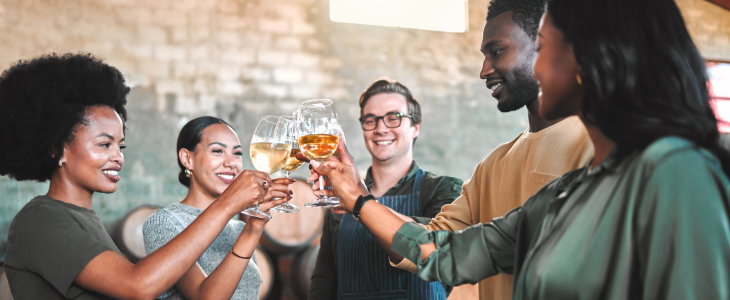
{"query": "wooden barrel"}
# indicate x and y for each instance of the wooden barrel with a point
(4, 287)
(266, 266)
(288, 233)
(300, 276)
(128, 232)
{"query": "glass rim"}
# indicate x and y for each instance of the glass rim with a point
(265, 124)
(267, 118)
(323, 101)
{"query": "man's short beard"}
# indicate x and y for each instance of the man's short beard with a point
(522, 90)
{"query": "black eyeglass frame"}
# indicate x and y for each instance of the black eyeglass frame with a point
(377, 120)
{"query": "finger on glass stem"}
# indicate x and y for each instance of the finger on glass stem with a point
(301, 157)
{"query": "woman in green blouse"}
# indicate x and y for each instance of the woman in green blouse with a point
(648, 219)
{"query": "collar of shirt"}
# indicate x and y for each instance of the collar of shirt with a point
(609, 165)
(411, 174)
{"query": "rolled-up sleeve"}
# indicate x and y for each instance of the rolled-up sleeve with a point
(465, 256)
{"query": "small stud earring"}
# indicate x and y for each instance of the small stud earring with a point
(60, 163)
(578, 79)
(188, 172)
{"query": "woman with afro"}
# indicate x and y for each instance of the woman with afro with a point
(62, 119)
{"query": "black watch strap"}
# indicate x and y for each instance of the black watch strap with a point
(358, 205)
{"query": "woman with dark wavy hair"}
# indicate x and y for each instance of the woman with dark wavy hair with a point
(209, 155)
(62, 119)
(648, 219)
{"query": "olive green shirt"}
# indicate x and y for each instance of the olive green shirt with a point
(436, 191)
(650, 224)
(49, 243)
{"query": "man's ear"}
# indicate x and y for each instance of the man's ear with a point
(416, 130)
(186, 158)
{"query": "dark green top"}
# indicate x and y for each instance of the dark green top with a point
(49, 244)
(652, 224)
(436, 192)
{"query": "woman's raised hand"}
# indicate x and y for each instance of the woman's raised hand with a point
(278, 193)
(248, 189)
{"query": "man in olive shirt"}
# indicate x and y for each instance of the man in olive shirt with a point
(350, 260)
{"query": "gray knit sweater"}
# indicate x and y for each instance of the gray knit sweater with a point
(167, 223)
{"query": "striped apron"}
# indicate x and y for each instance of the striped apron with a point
(363, 270)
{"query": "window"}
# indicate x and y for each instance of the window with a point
(719, 73)
(437, 15)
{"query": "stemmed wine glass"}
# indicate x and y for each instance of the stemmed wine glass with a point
(319, 134)
(269, 151)
(287, 123)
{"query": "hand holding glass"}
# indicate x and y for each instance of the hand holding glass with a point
(269, 152)
(291, 163)
(319, 134)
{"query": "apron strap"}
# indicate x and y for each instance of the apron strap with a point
(419, 181)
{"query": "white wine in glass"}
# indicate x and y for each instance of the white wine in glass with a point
(319, 134)
(318, 147)
(269, 157)
(269, 151)
(291, 163)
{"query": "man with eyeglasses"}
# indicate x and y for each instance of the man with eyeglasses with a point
(515, 170)
(350, 261)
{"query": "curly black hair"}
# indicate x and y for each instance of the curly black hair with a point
(42, 100)
(526, 13)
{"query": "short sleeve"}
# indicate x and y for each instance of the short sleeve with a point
(159, 229)
(445, 191)
(56, 246)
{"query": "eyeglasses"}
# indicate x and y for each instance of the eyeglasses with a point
(390, 120)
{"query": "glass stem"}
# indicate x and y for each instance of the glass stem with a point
(287, 174)
(321, 187)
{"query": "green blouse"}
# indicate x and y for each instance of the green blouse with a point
(652, 224)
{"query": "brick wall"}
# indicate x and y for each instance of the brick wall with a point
(239, 60)
(709, 25)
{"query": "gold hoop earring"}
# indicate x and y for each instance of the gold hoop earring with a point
(578, 79)
(188, 172)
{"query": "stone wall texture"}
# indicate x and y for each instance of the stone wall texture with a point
(709, 25)
(241, 59)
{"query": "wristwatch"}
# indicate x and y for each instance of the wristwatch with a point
(358, 206)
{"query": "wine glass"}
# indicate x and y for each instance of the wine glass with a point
(291, 163)
(269, 152)
(319, 134)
